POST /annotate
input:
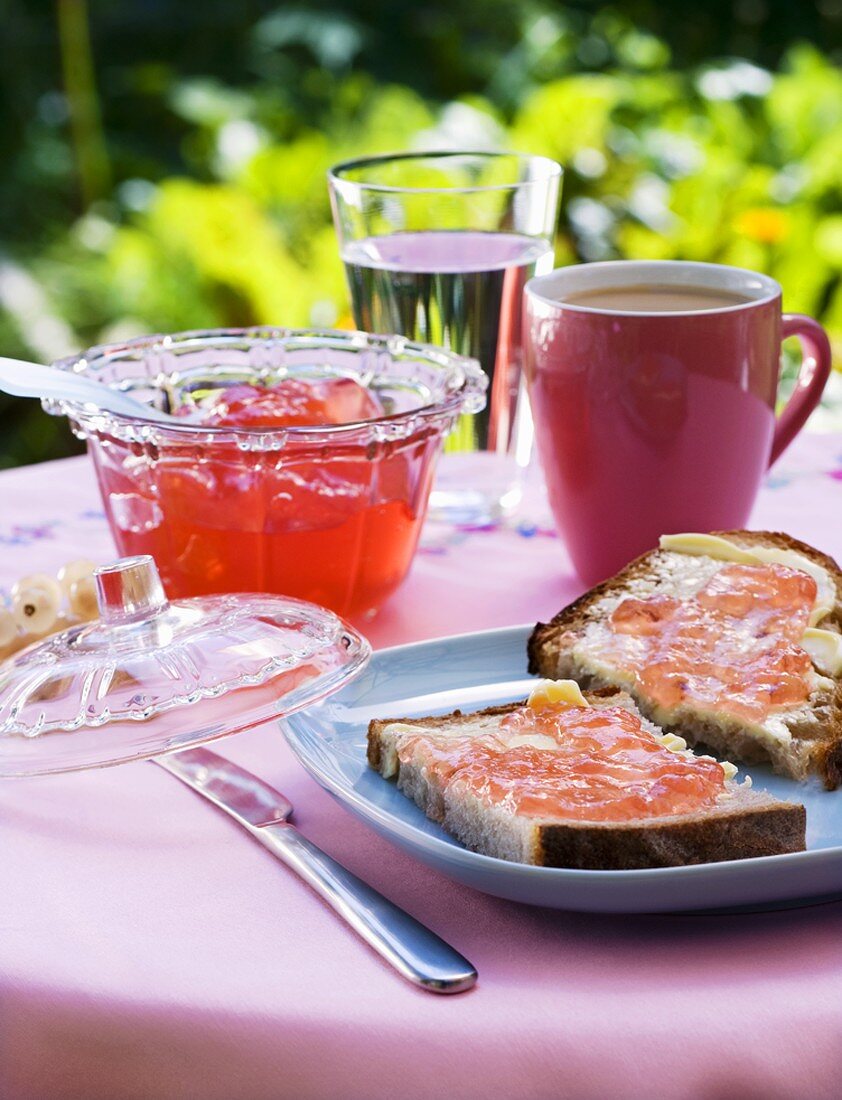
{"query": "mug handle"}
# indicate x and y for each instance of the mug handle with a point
(812, 378)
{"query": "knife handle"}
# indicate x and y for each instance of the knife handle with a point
(413, 950)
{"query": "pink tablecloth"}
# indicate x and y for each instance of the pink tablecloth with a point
(149, 950)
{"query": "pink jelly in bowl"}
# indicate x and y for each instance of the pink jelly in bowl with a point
(298, 462)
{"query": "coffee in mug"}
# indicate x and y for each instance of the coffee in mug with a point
(653, 298)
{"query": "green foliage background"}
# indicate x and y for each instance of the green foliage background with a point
(164, 163)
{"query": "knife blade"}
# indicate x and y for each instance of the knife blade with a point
(416, 952)
(243, 796)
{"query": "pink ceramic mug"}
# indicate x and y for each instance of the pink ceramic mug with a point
(656, 422)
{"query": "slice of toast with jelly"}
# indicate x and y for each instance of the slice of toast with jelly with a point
(729, 640)
(583, 781)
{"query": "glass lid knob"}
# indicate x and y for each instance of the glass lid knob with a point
(129, 590)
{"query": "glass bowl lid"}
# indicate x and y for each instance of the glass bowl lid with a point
(152, 677)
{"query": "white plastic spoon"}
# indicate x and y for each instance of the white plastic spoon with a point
(22, 379)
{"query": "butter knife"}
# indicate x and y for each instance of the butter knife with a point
(418, 954)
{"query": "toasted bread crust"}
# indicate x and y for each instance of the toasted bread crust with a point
(817, 744)
(743, 833)
(746, 825)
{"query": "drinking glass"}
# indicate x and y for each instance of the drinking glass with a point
(438, 247)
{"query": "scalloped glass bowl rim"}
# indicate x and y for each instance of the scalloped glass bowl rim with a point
(395, 426)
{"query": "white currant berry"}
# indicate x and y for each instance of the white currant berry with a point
(74, 571)
(39, 580)
(82, 598)
(35, 609)
(8, 628)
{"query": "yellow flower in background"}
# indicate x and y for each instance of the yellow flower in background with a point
(764, 224)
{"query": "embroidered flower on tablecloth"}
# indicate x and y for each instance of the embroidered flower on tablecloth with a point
(535, 530)
(777, 481)
(23, 535)
(439, 538)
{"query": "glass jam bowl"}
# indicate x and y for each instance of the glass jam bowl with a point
(329, 513)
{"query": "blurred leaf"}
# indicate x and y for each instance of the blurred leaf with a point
(334, 39)
(560, 118)
(829, 240)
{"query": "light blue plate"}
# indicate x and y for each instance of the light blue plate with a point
(476, 670)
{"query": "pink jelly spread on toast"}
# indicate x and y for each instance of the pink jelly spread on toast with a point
(603, 766)
(732, 647)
